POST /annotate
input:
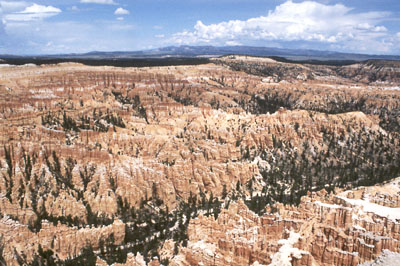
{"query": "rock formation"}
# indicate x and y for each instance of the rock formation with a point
(341, 228)
(177, 164)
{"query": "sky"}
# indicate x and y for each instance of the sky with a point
(79, 26)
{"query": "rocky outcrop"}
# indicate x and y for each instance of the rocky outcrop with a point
(345, 228)
(84, 150)
(64, 241)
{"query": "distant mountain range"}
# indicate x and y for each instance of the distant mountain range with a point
(212, 51)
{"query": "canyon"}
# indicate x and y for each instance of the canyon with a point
(239, 161)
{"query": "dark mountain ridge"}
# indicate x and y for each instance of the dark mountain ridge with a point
(213, 51)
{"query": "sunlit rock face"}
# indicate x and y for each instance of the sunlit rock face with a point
(198, 164)
(341, 228)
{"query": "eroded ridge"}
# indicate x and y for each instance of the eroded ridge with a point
(341, 228)
(129, 165)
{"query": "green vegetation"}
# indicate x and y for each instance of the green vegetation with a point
(98, 122)
(348, 159)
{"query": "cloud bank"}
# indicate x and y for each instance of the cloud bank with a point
(33, 12)
(335, 25)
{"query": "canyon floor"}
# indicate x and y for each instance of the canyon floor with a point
(240, 161)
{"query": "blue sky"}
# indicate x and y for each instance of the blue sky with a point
(50, 26)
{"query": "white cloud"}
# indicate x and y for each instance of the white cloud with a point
(35, 8)
(103, 2)
(121, 11)
(159, 36)
(25, 30)
(120, 18)
(33, 12)
(306, 21)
